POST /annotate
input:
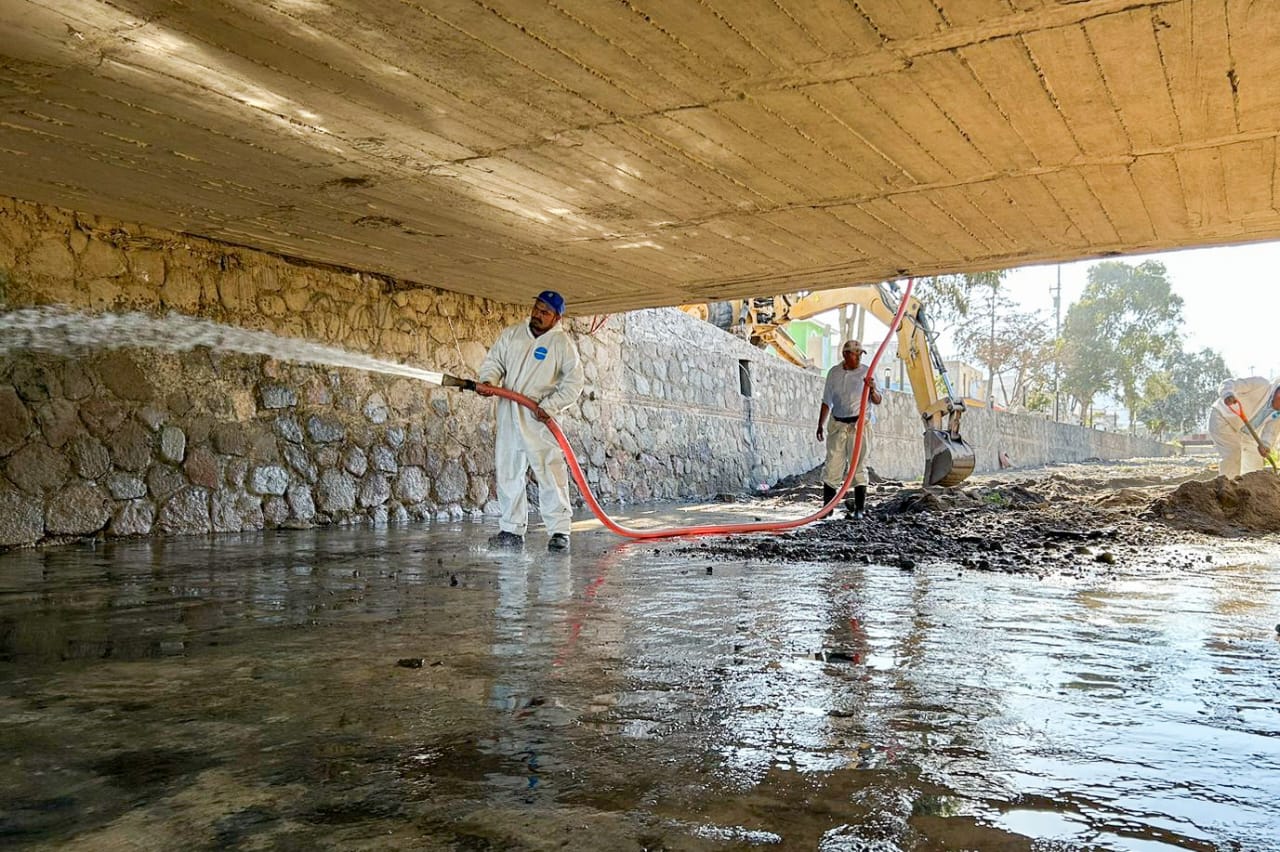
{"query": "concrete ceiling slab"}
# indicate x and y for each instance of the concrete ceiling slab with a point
(637, 153)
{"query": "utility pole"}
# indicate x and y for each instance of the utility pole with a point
(1057, 335)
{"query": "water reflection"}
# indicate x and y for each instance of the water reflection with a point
(253, 690)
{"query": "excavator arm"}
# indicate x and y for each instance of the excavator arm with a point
(948, 458)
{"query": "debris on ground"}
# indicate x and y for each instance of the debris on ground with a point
(1075, 519)
(1224, 507)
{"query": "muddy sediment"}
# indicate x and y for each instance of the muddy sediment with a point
(1076, 519)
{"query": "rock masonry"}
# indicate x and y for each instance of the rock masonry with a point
(134, 442)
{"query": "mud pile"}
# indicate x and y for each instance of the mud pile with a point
(1064, 520)
(1224, 507)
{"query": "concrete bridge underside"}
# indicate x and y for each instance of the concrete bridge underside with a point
(650, 152)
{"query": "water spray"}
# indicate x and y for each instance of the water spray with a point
(59, 330)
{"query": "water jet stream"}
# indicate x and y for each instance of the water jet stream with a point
(59, 330)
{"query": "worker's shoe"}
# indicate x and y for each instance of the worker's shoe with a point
(559, 542)
(859, 502)
(506, 541)
(827, 493)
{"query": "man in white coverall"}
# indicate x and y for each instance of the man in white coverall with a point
(841, 397)
(538, 360)
(1259, 398)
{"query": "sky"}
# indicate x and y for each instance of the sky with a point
(1230, 300)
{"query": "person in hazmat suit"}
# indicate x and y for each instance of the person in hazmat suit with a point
(1258, 399)
(841, 397)
(537, 359)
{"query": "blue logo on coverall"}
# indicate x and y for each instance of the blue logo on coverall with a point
(540, 354)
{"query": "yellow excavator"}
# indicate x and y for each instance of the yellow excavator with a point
(948, 459)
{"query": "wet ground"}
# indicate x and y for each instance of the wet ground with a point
(404, 688)
(1075, 519)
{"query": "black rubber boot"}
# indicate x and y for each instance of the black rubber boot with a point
(506, 540)
(859, 502)
(827, 493)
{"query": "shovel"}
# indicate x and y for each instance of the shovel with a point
(1269, 455)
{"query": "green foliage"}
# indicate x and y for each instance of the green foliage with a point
(949, 299)
(1176, 399)
(1119, 333)
(1017, 343)
(1040, 400)
(954, 306)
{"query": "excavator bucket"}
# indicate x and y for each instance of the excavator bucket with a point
(948, 460)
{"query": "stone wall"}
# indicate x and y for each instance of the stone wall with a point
(680, 423)
(125, 441)
(128, 441)
(1026, 440)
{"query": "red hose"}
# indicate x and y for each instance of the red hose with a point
(714, 529)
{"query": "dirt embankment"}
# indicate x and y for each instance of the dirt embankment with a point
(1066, 519)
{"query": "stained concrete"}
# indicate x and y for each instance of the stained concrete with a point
(637, 154)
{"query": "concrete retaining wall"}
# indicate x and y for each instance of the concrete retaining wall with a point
(1028, 441)
(143, 442)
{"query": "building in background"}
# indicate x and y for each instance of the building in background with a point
(816, 339)
(969, 383)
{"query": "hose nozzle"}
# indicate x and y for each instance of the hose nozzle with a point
(454, 382)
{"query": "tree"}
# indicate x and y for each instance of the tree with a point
(1119, 333)
(949, 299)
(1179, 395)
(1084, 357)
(950, 305)
(1019, 348)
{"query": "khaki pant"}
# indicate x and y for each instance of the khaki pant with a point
(840, 438)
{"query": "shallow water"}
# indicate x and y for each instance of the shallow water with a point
(262, 691)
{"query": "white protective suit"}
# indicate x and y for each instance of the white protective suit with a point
(1236, 448)
(545, 369)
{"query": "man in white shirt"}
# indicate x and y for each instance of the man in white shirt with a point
(537, 359)
(841, 398)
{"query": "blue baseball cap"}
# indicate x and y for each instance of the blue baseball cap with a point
(553, 300)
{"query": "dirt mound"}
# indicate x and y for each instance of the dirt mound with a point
(998, 496)
(809, 477)
(1224, 507)
(1073, 519)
